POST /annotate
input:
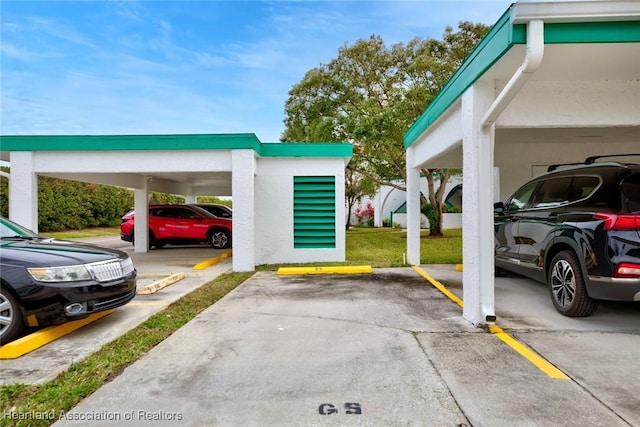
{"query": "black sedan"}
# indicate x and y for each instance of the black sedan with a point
(47, 281)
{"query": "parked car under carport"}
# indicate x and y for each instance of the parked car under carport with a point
(47, 281)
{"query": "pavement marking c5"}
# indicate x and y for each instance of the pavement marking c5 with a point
(537, 360)
(33, 341)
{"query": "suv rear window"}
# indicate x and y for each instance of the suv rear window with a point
(553, 192)
(583, 186)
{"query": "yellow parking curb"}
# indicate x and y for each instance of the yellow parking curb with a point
(208, 263)
(348, 269)
(33, 341)
(159, 284)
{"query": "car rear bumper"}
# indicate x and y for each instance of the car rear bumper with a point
(614, 289)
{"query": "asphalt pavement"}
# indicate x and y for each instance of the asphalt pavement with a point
(380, 349)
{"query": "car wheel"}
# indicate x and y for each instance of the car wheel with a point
(220, 239)
(150, 240)
(566, 285)
(11, 322)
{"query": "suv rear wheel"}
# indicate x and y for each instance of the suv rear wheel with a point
(566, 286)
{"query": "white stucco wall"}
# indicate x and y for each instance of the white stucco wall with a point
(274, 209)
(389, 199)
(262, 188)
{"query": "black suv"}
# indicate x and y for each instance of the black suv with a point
(576, 228)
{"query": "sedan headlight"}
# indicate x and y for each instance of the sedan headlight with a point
(71, 273)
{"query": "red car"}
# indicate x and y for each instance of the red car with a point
(180, 225)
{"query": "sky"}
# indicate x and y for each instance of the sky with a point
(187, 67)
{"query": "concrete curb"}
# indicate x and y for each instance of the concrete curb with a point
(350, 269)
(208, 263)
(159, 284)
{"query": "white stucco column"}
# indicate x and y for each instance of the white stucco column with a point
(413, 210)
(23, 190)
(477, 206)
(243, 163)
(141, 206)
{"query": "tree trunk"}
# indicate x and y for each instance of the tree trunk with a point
(435, 198)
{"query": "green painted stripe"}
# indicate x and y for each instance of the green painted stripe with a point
(502, 37)
(171, 143)
(495, 44)
(592, 32)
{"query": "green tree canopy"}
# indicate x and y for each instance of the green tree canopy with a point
(371, 93)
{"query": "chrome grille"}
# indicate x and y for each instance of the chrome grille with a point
(111, 270)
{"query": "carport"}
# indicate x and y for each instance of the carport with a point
(288, 198)
(552, 82)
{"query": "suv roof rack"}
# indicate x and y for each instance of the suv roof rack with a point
(589, 160)
(592, 159)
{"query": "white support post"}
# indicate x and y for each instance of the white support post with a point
(243, 163)
(141, 206)
(413, 210)
(23, 190)
(477, 206)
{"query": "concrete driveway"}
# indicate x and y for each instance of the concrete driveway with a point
(382, 349)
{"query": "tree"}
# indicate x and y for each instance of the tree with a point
(357, 187)
(370, 95)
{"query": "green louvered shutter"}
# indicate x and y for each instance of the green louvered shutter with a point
(314, 212)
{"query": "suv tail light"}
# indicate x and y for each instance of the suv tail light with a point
(627, 269)
(614, 221)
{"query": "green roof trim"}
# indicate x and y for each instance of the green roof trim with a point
(504, 35)
(491, 48)
(172, 143)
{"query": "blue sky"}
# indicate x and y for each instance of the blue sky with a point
(167, 67)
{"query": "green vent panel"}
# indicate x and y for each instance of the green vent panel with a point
(314, 212)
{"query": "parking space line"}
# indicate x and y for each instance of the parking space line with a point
(534, 358)
(33, 341)
(542, 364)
(453, 297)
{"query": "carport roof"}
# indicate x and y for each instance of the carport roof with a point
(170, 143)
(589, 23)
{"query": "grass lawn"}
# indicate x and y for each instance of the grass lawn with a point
(80, 234)
(378, 247)
(386, 247)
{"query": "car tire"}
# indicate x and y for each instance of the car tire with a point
(567, 288)
(150, 240)
(220, 239)
(11, 322)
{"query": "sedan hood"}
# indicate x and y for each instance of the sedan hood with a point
(51, 252)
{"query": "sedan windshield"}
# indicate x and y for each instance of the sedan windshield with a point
(9, 229)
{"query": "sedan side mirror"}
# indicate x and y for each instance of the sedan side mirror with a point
(498, 208)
